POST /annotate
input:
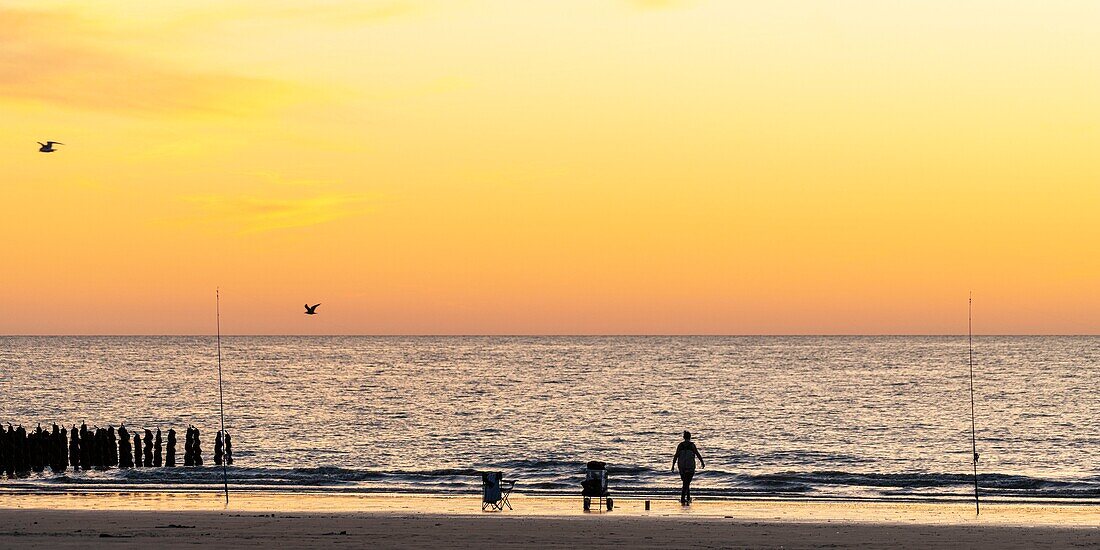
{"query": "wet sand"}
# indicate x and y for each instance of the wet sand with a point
(320, 520)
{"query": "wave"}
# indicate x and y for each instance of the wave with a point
(989, 483)
(563, 477)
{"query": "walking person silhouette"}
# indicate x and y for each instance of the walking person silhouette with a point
(686, 452)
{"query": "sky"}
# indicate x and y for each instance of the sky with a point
(550, 167)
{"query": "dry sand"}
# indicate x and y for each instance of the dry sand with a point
(303, 520)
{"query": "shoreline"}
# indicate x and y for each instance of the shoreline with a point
(624, 495)
(702, 495)
(171, 520)
(790, 510)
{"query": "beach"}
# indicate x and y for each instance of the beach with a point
(308, 520)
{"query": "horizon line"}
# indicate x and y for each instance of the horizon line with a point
(555, 335)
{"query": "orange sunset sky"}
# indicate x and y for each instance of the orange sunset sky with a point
(544, 167)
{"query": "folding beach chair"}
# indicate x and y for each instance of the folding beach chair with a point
(495, 491)
(594, 486)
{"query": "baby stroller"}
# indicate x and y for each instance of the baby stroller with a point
(595, 486)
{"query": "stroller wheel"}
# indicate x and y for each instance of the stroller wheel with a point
(587, 504)
(610, 504)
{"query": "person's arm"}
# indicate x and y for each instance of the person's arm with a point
(675, 456)
(701, 463)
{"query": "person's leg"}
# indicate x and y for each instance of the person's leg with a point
(683, 489)
(687, 487)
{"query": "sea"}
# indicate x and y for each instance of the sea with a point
(802, 417)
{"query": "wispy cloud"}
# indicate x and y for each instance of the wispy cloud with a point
(275, 178)
(253, 214)
(441, 85)
(657, 4)
(349, 13)
(62, 60)
(338, 13)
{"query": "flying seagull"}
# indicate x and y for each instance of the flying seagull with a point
(48, 146)
(311, 310)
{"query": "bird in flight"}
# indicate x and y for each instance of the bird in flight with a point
(48, 146)
(311, 310)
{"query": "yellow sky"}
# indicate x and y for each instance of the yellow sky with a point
(597, 166)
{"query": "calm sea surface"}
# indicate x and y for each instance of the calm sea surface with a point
(882, 417)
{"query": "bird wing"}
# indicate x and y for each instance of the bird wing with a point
(314, 307)
(42, 144)
(307, 307)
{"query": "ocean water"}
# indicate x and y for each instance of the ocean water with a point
(797, 417)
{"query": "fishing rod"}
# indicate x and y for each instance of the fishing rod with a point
(973, 428)
(221, 393)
